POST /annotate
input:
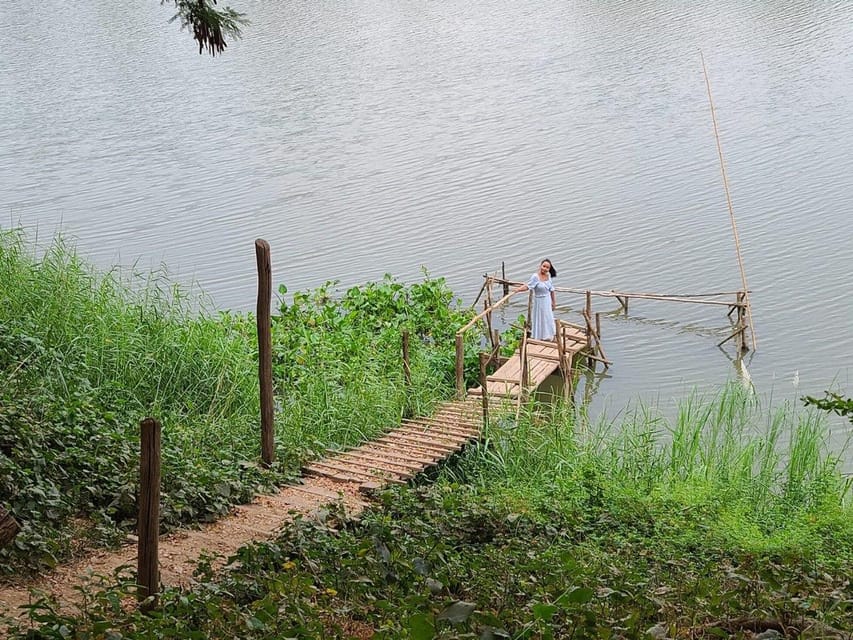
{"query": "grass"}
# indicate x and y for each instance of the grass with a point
(707, 527)
(85, 356)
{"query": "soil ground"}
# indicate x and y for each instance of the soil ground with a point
(180, 551)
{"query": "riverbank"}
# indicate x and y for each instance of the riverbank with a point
(730, 518)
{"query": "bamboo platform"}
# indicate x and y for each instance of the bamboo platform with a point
(543, 359)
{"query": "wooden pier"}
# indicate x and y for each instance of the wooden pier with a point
(417, 444)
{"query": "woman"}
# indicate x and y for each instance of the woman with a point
(544, 301)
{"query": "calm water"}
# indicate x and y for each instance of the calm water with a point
(361, 138)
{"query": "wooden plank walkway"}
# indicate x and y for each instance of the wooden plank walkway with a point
(420, 443)
(406, 450)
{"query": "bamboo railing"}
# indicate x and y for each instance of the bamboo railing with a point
(740, 305)
(460, 335)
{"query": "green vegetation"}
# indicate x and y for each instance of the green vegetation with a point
(832, 402)
(728, 521)
(545, 530)
(84, 357)
(209, 25)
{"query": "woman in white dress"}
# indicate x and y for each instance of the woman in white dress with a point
(544, 301)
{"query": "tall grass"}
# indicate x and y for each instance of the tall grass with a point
(85, 355)
(754, 478)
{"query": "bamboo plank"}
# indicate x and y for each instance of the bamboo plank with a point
(407, 440)
(441, 428)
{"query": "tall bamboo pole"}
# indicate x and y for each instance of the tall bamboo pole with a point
(729, 203)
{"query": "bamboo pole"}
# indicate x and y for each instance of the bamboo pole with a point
(672, 297)
(590, 331)
(487, 306)
(598, 341)
(264, 322)
(738, 330)
(460, 364)
(729, 203)
(503, 277)
(596, 354)
(486, 278)
(473, 320)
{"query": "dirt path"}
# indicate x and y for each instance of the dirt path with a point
(179, 551)
(396, 457)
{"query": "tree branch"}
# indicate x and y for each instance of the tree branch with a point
(210, 26)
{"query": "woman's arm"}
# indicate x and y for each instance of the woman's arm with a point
(553, 299)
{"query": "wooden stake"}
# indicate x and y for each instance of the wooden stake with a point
(407, 369)
(729, 203)
(569, 382)
(522, 383)
(264, 320)
(484, 358)
(148, 527)
(503, 277)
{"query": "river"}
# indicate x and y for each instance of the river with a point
(362, 138)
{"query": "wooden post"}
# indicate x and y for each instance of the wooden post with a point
(567, 386)
(496, 344)
(488, 305)
(741, 328)
(460, 365)
(561, 352)
(503, 277)
(262, 252)
(148, 527)
(590, 330)
(9, 527)
(522, 382)
(407, 369)
(484, 357)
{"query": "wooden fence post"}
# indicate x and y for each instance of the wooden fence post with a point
(484, 358)
(148, 527)
(407, 367)
(262, 252)
(9, 527)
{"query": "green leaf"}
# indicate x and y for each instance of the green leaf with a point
(578, 595)
(421, 627)
(542, 611)
(458, 612)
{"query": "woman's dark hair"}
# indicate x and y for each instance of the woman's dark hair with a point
(551, 270)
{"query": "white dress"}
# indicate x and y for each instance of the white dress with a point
(541, 314)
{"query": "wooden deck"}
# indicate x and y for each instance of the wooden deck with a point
(543, 359)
